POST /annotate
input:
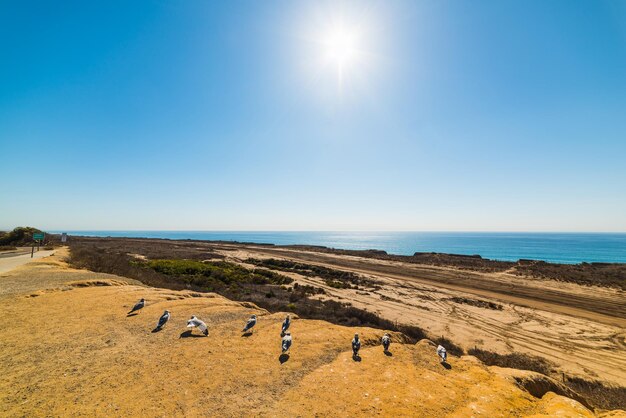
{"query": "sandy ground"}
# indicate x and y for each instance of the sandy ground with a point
(69, 349)
(579, 328)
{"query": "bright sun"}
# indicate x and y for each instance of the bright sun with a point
(340, 45)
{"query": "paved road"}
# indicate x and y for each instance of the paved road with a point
(9, 263)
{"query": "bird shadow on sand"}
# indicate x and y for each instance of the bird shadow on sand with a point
(246, 334)
(131, 314)
(283, 358)
(157, 329)
(388, 353)
(356, 357)
(188, 334)
(446, 365)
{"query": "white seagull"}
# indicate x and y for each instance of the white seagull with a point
(197, 323)
(286, 325)
(251, 322)
(163, 319)
(286, 342)
(138, 306)
(386, 340)
(441, 352)
(356, 345)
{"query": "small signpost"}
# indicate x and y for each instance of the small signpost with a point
(37, 236)
(64, 237)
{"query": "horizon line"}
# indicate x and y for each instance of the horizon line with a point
(54, 230)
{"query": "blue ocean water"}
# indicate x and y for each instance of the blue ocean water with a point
(567, 248)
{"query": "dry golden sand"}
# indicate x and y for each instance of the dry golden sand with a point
(71, 350)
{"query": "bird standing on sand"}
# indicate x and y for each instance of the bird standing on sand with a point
(163, 319)
(285, 326)
(356, 345)
(138, 306)
(286, 342)
(386, 340)
(441, 352)
(197, 323)
(251, 322)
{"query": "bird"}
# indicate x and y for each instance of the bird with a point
(286, 342)
(386, 340)
(138, 306)
(251, 322)
(163, 319)
(441, 352)
(194, 322)
(285, 326)
(356, 345)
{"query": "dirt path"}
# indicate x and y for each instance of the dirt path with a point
(16, 259)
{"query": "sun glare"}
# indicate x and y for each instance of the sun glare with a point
(340, 44)
(340, 47)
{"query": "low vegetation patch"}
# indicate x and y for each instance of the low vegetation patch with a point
(598, 394)
(513, 361)
(209, 273)
(7, 248)
(337, 279)
(596, 274)
(478, 303)
(308, 289)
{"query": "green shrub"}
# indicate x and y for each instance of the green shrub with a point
(338, 279)
(212, 273)
(21, 235)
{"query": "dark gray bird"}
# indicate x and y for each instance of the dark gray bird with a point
(138, 305)
(285, 325)
(356, 345)
(163, 319)
(197, 323)
(251, 322)
(286, 342)
(441, 352)
(386, 340)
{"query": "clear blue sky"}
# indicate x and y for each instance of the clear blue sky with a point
(451, 115)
